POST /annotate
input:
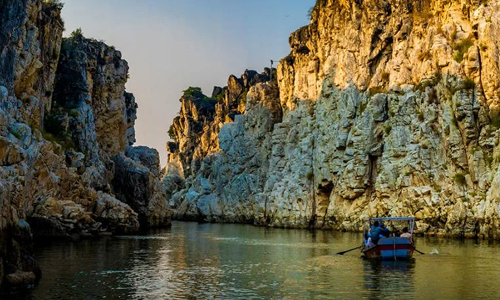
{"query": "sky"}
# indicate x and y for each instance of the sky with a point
(173, 44)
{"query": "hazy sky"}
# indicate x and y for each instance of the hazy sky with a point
(173, 44)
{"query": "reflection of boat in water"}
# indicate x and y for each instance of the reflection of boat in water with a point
(392, 247)
(385, 279)
(390, 269)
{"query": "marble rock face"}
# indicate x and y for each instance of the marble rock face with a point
(64, 115)
(380, 109)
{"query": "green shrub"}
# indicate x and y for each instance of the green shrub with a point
(459, 179)
(421, 116)
(77, 33)
(49, 137)
(362, 107)
(219, 96)
(66, 143)
(430, 82)
(387, 128)
(310, 176)
(314, 8)
(461, 48)
(58, 3)
(424, 55)
(309, 12)
(385, 76)
(171, 132)
(192, 92)
(468, 84)
(376, 90)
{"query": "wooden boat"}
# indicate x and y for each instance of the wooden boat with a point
(392, 247)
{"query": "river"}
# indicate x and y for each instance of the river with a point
(229, 261)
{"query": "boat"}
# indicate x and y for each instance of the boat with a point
(392, 247)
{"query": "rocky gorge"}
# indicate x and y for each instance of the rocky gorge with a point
(68, 167)
(382, 108)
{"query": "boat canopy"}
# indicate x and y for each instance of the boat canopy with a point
(392, 219)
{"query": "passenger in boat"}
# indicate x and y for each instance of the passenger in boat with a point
(405, 233)
(377, 231)
(385, 231)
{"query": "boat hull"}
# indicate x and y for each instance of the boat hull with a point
(391, 248)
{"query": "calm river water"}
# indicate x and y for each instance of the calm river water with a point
(226, 261)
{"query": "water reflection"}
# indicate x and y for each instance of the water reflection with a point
(214, 261)
(389, 279)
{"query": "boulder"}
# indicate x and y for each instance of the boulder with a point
(136, 185)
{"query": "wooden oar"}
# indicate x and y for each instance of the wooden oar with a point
(417, 250)
(344, 252)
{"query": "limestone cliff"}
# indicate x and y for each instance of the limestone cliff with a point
(201, 180)
(383, 108)
(65, 121)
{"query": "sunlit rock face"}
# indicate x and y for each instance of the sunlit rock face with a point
(64, 118)
(386, 108)
(215, 165)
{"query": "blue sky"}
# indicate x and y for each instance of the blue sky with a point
(173, 44)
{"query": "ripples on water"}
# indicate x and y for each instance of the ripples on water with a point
(214, 261)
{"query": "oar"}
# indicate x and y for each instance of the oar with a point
(417, 250)
(344, 252)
